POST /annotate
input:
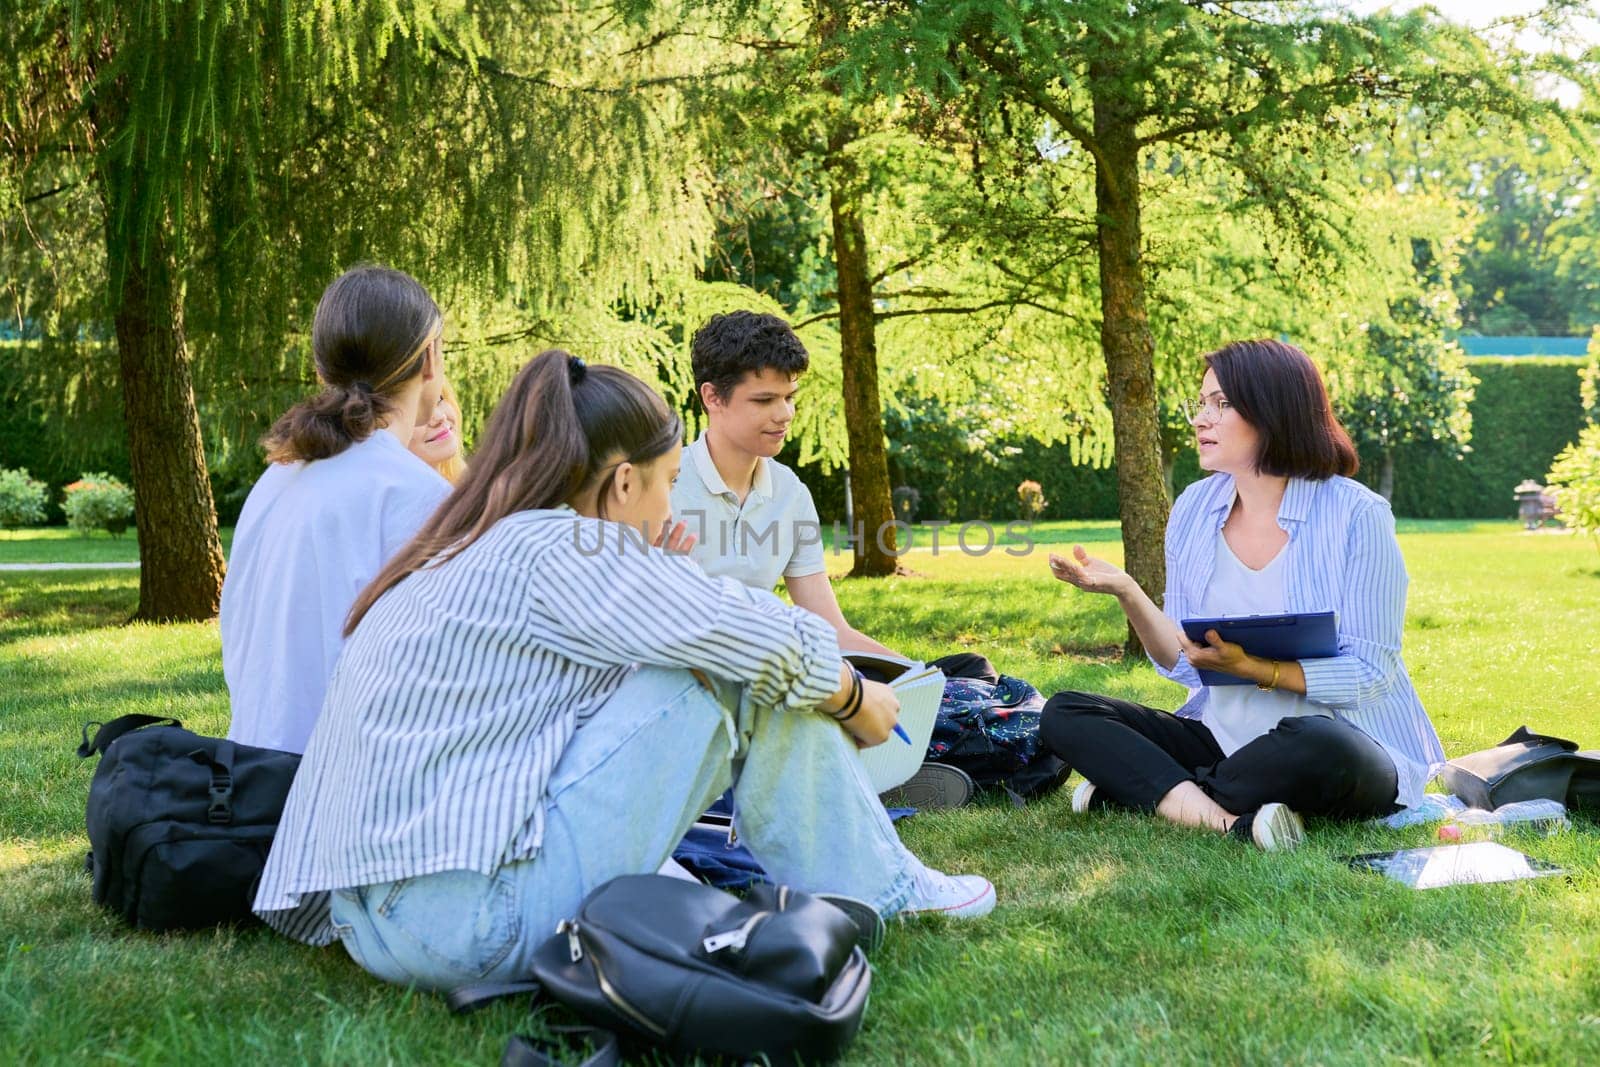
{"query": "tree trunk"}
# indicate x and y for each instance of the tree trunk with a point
(858, 353)
(180, 555)
(1128, 346)
(1386, 476)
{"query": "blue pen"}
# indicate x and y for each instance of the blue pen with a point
(901, 730)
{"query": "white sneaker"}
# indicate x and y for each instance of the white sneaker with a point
(1273, 827)
(960, 896)
(1081, 797)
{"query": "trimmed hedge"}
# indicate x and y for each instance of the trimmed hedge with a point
(1525, 411)
(956, 484)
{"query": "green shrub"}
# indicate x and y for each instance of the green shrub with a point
(22, 499)
(1526, 410)
(1575, 480)
(98, 502)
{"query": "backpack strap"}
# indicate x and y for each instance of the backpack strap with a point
(220, 811)
(1523, 735)
(523, 1051)
(114, 729)
(469, 998)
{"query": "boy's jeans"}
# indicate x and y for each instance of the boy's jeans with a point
(628, 785)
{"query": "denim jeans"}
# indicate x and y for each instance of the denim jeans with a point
(633, 778)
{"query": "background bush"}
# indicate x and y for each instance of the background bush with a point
(1575, 476)
(1526, 410)
(22, 499)
(98, 502)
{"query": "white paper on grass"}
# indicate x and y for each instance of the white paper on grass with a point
(1442, 865)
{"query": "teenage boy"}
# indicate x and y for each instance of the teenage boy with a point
(754, 519)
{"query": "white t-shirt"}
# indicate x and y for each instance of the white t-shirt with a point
(773, 534)
(1238, 714)
(310, 537)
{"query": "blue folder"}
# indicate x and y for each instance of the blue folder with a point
(1285, 637)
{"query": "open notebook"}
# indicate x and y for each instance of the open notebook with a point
(920, 688)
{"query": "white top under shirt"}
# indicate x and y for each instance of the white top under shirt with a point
(774, 533)
(310, 537)
(1238, 714)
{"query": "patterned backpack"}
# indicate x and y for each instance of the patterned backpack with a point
(991, 731)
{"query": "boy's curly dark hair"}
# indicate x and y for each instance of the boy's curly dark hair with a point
(730, 346)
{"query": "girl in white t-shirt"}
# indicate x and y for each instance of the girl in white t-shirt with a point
(342, 494)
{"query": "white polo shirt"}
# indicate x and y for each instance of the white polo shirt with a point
(773, 534)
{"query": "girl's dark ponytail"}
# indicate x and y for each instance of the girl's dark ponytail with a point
(326, 425)
(370, 337)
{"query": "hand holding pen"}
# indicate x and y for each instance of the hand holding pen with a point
(870, 710)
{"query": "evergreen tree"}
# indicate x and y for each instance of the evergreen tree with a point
(240, 154)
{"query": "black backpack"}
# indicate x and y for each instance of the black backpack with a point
(179, 824)
(662, 963)
(991, 731)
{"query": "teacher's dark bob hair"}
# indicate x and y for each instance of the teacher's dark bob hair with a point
(1277, 389)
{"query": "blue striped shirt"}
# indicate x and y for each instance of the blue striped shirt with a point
(455, 697)
(1342, 557)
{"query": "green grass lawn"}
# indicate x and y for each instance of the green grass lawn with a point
(58, 544)
(1117, 939)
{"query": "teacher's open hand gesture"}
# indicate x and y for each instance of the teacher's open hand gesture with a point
(1090, 573)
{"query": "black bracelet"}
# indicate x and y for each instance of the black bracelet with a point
(852, 703)
(849, 698)
(858, 694)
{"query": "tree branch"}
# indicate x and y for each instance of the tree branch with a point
(1008, 70)
(904, 264)
(50, 192)
(1364, 79)
(946, 310)
(491, 67)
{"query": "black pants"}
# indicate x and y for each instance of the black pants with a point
(1135, 755)
(967, 665)
(955, 665)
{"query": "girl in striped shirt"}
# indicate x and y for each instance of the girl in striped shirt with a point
(533, 700)
(1278, 527)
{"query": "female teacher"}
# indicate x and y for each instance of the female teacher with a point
(1278, 527)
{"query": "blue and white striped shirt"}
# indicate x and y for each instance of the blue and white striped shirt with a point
(1342, 557)
(457, 694)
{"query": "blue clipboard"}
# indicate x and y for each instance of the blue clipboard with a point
(1312, 635)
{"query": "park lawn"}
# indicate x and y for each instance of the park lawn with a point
(59, 544)
(1117, 939)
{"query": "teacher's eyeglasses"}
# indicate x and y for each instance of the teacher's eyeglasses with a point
(1205, 408)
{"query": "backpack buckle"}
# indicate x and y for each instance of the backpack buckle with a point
(220, 810)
